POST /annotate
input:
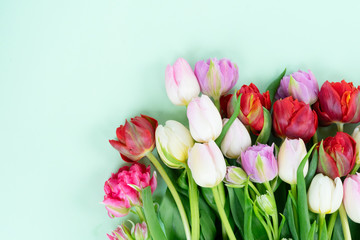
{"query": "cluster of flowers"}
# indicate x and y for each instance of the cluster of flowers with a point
(217, 149)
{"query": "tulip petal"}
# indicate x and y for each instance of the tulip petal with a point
(337, 195)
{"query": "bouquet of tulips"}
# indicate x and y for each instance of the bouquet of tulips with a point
(250, 165)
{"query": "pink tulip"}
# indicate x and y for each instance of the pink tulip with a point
(120, 189)
(352, 197)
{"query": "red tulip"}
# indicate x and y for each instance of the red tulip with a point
(251, 106)
(337, 155)
(136, 138)
(294, 119)
(338, 102)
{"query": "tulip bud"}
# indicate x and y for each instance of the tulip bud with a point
(251, 107)
(120, 233)
(181, 83)
(173, 142)
(204, 119)
(236, 140)
(140, 232)
(352, 197)
(266, 203)
(300, 85)
(207, 164)
(122, 189)
(325, 195)
(356, 136)
(235, 177)
(294, 119)
(216, 77)
(339, 102)
(259, 163)
(136, 138)
(291, 153)
(337, 155)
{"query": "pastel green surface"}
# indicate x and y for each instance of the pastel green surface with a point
(73, 71)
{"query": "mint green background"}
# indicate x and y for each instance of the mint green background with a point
(73, 71)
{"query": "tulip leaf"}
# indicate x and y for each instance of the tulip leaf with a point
(282, 223)
(312, 169)
(231, 120)
(209, 197)
(274, 85)
(236, 211)
(289, 215)
(311, 235)
(248, 210)
(303, 212)
(182, 180)
(151, 218)
(266, 130)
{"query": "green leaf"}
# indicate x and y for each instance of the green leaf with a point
(231, 120)
(150, 215)
(282, 224)
(236, 211)
(248, 215)
(303, 212)
(312, 169)
(182, 181)
(274, 85)
(266, 130)
(289, 215)
(209, 197)
(311, 235)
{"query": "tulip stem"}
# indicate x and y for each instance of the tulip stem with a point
(173, 191)
(221, 189)
(194, 206)
(331, 224)
(344, 222)
(294, 193)
(321, 223)
(355, 169)
(217, 104)
(275, 215)
(140, 213)
(340, 127)
(222, 213)
(315, 138)
(254, 188)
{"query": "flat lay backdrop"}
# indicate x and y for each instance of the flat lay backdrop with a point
(72, 71)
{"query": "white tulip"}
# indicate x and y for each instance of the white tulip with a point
(204, 119)
(236, 140)
(352, 197)
(291, 153)
(325, 195)
(173, 142)
(356, 136)
(207, 164)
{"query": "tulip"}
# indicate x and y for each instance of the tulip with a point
(136, 138)
(204, 119)
(236, 140)
(301, 85)
(207, 164)
(352, 197)
(291, 153)
(356, 136)
(337, 155)
(235, 177)
(259, 163)
(122, 189)
(339, 102)
(216, 77)
(181, 83)
(251, 107)
(138, 232)
(325, 195)
(173, 142)
(266, 204)
(120, 233)
(294, 119)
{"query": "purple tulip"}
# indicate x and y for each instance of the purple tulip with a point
(216, 77)
(259, 163)
(300, 85)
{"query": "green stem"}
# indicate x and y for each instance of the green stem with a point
(222, 214)
(355, 169)
(217, 103)
(265, 225)
(140, 213)
(315, 138)
(275, 215)
(321, 223)
(294, 193)
(194, 206)
(340, 127)
(344, 222)
(174, 193)
(331, 224)
(254, 188)
(222, 199)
